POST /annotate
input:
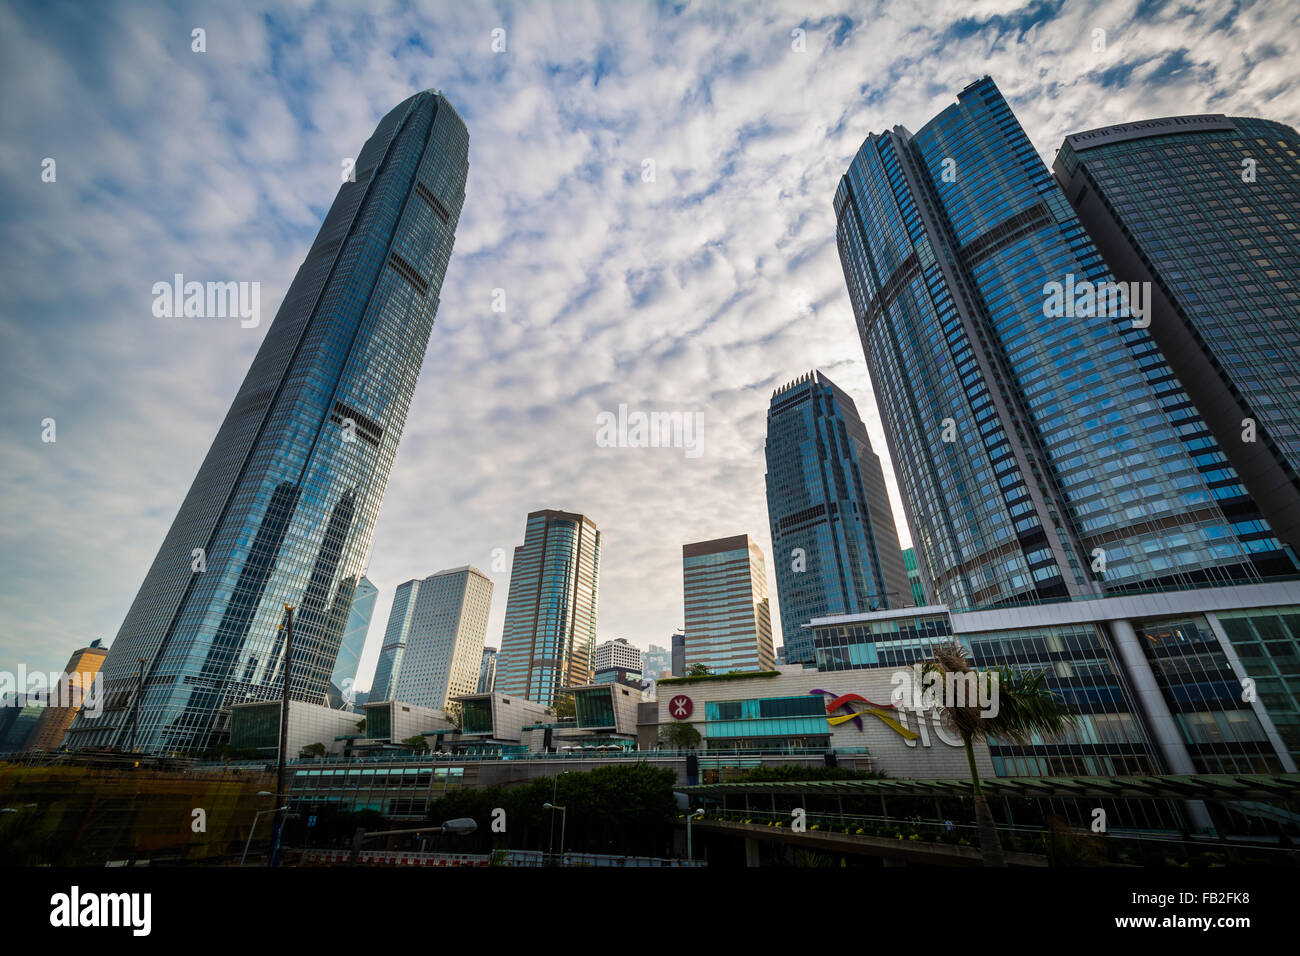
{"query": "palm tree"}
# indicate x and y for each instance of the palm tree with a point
(1025, 707)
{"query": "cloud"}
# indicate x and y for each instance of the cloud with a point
(699, 290)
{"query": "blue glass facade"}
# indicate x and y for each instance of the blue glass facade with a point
(284, 505)
(549, 639)
(354, 636)
(1040, 456)
(1207, 210)
(833, 536)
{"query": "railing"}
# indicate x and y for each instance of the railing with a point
(580, 755)
(1120, 844)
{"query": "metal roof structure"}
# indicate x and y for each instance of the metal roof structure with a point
(1212, 786)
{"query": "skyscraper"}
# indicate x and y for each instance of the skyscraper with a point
(658, 661)
(914, 578)
(487, 674)
(833, 537)
(353, 643)
(392, 650)
(284, 505)
(1207, 210)
(618, 661)
(66, 700)
(550, 629)
(728, 620)
(1043, 451)
(444, 644)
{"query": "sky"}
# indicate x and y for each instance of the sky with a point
(650, 185)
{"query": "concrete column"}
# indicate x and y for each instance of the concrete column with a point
(1160, 720)
(751, 851)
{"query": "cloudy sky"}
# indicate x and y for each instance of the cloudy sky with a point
(700, 288)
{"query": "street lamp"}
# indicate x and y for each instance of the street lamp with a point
(554, 786)
(564, 820)
(249, 842)
(459, 827)
(690, 855)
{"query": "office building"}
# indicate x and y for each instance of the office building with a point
(679, 654)
(392, 650)
(283, 507)
(1206, 209)
(728, 620)
(1043, 451)
(19, 714)
(444, 643)
(658, 662)
(914, 581)
(833, 537)
(342, 682)
(487, 673)
(618, 661)
(554, 601)
(256, 726)
(73, 690)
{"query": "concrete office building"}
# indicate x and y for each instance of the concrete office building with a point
(728, 619)
(256, 725)
(1205, 209)
(550, 629)
(499, 718)
(389, 722)
(617, 660)
(77, 682)
(834, 543)
(444, 641)
(282, 510)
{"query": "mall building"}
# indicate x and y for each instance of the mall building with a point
(1203, 681)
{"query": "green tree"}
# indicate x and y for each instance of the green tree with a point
(679, 735)
(698, 670)
(361, 726)
(1025, 707)
(564, 707)
(452, 711)
(416, 742)
(314, 750)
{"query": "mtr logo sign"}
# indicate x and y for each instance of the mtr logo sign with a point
(681, 707)
(879, 711)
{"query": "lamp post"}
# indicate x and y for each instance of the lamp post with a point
(564, 820)
(554, 787)
(287, 627)
(459, 826)
(249, 841)
(690, 852)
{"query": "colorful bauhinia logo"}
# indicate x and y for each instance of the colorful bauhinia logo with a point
(879, 711)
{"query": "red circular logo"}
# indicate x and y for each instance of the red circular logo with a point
(680, 707)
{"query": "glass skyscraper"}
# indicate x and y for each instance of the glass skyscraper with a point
(1207, 209)
(728, 618)
(833, 537)
(1042, 453)
(392, 650)
(354, 642)
(914, 578)
(284, 505)
(549, 639)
